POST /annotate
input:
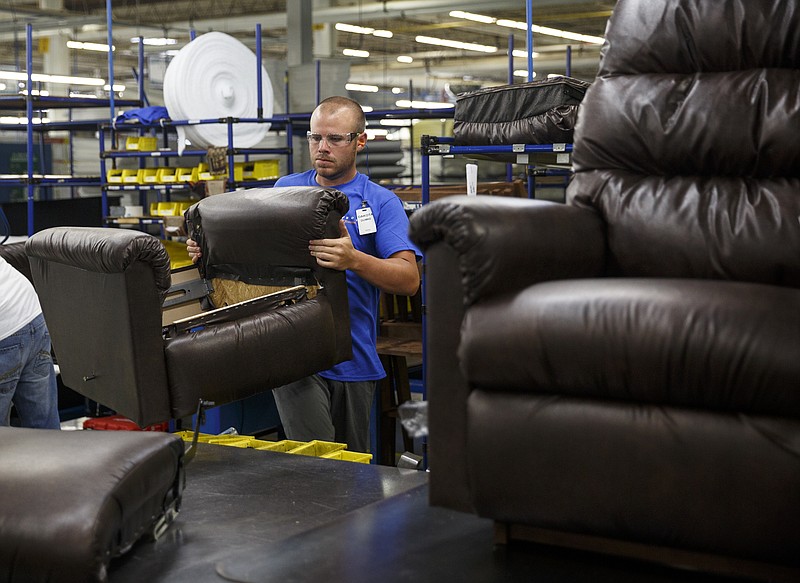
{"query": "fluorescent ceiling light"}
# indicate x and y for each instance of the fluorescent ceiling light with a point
(2, 86)
(355, 53)
(366, 108)
(353, 28)
(84, 95)
(363, 30)
(41, 93)
(398, 90)
(428, 40)
(405, 59)
(39, 77)
(117, 88)
(399, 123)
(361, 87)
(585, 38)
(523, 73)
(523, 54)
(22, 120)
(423, 104)
(371, 133)
(155, 41)
(73, 44)
(472, 16)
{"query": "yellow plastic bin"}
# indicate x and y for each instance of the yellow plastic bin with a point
(166, 209)
(141, 143)
(186, 175)
(348, 456)
(189, 436)
(130, 176)
(114, 176)
(240, 441)
(204, 173)
(283, 445)
(165, 175)
(317, 448)
(266, 169)
(146, 176)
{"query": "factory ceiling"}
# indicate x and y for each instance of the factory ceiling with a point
(432, 68)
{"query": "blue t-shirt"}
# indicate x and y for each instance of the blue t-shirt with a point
(391, 236)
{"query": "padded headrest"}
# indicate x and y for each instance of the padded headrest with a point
(102, 250)
(686, 142)
(674, 36)
(254, 233)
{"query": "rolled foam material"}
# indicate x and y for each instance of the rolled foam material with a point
(214, 76)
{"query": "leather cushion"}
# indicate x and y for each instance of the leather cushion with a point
(70, 501)
(713, 345)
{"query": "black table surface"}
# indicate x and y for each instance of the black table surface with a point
(258, 516)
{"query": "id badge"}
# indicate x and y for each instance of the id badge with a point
(365, 221)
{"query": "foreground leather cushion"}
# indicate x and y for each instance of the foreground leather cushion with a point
(70, 501)
(725, 346)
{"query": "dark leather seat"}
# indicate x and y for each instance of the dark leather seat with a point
(621, 372)
(102, 292)
(71, 501)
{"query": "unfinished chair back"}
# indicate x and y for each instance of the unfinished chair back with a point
(259, 237)
(102, 293)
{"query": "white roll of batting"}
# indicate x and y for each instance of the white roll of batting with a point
(214, 76)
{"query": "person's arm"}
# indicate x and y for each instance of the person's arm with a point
(397, 274)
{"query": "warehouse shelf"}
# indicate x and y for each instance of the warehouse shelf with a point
(31, 103)
(553, 159)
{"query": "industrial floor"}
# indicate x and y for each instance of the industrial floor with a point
(259, 516)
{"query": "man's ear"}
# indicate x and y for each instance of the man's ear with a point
(362, 141)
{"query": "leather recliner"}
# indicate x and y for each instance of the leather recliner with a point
(622, 372)
(102, 292)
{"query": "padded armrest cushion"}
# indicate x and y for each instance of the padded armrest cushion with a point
(70, 501)
(258, 231)
(102, 250)
(507, 244)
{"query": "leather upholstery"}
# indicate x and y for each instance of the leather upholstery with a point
(626, 366)
(71, 501)
(102, 290)
(14, 254)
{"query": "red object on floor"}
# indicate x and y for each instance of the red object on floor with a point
(120, 423)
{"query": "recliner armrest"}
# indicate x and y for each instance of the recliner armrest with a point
(506, 244)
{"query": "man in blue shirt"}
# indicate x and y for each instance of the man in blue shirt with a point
(375, 251)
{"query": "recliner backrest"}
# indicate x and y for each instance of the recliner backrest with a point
(101, 292)
(686, 143)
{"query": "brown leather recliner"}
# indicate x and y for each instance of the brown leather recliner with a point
(623, 372)
(102, 292)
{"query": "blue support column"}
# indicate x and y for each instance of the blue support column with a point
(29, 112)
(112, 112)
(529, 35)
(259, 79)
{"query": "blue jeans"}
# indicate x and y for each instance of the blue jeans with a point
(28, 378)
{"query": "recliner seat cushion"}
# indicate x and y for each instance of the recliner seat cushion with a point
(70, 501)
(723, 346)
